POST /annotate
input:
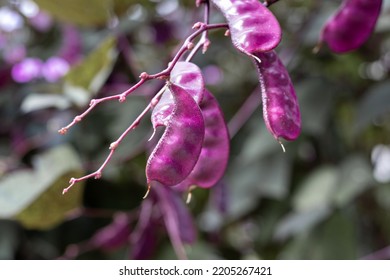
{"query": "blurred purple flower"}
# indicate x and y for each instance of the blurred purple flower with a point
(41, 21)
(54, 69)
(212, 74)
(27, 70)
(71, 44)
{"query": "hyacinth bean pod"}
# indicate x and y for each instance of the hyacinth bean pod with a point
(214, 156)
(351, 25)
(177, 151)
(188, 76)
(252, 26)
(280, 105)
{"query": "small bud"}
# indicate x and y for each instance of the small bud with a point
(227, 33)
(98, 175)
(122, 99)
(77, 119)
(206, 45)
(190, 46)
(197, 25)
(63, 131)
(144, 75)
(113, 145)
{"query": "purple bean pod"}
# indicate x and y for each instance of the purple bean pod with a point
(280, 105)
(214, 156)
(186, 75)
(178, 150)
(252, 26)
(351, 26)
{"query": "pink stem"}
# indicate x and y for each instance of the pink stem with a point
(144, 76)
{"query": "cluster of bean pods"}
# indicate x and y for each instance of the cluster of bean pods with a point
(194, 148)
(351, 25)
(256, 32)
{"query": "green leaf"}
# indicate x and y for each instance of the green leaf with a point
(374, 105)
(355, 177)
(317, 191)
(86, 12)
(315, 98)
(85, 79)
(248, 183)
(258, 144)
(35, 197)
(334, 239)
(300, 222)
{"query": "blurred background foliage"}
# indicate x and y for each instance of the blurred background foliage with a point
(327, 197)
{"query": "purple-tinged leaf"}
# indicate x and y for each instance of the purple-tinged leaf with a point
(114, 235)
(144, 237)
(171, 202)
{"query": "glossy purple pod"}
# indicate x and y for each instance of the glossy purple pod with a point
(280, 105)
(253, 27)
(186, 75)
(177, 151)
(351, 26)
(214, 156)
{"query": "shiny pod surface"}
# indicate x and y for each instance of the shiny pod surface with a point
(178, 149)
(252, 26)
(280, 105)
(186, 75)
(351, 26)
(214, 156)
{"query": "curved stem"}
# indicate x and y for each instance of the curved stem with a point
(201, 28)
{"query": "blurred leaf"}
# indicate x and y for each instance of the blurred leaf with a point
(50, 208)
(268, 177)
(258, 144)
(374, 104)
(317, 190)
(335, 239)
(315, 99)
(382, 196)
(300, 222)
(38, 101)
(338, 238)
(355, 177)
(8, 239)
(34, 197)
(86, 78)
(197, 251)
(85, 12)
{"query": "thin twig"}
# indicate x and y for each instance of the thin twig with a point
(98, 173)
(203, 42)
(201, 27)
